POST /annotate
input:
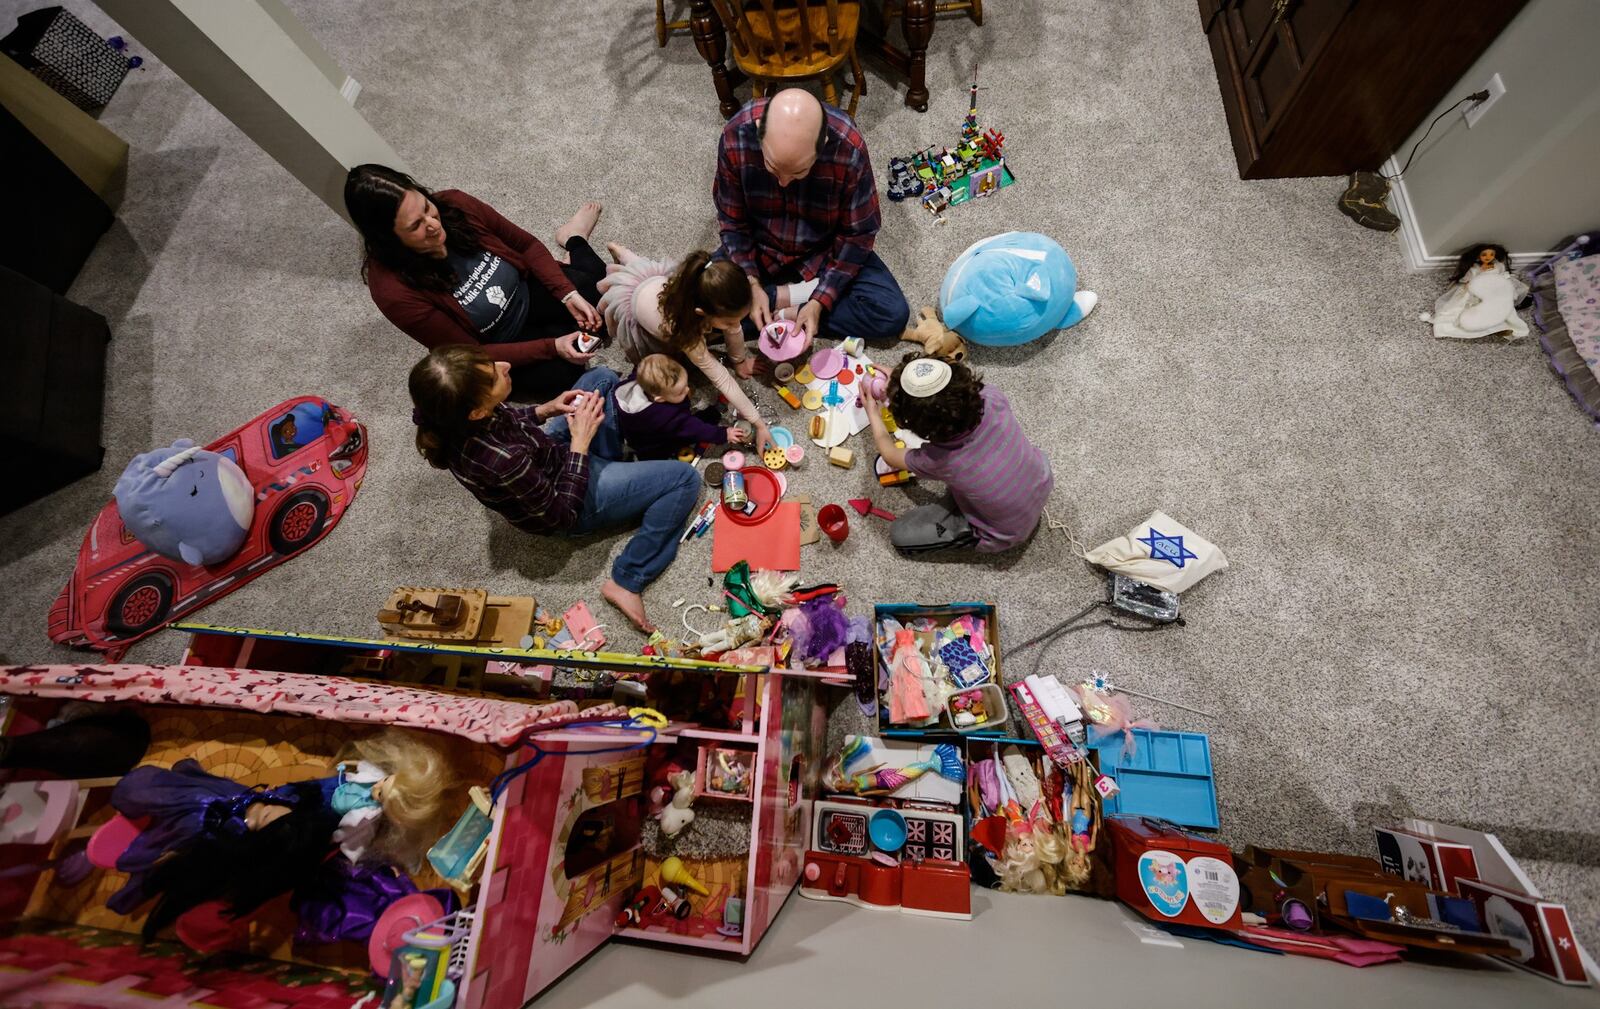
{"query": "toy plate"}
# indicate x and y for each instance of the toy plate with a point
(763, 487)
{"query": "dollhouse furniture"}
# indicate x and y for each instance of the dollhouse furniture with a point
(567, 852)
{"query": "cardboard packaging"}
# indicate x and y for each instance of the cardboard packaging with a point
(1431, 861)
(1538, 928)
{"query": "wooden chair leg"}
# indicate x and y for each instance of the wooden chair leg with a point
(661, 24)
(758, 88)
(830, 94)
(976, 12)
(855, 68)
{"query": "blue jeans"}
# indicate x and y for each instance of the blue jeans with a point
(659, 495)
(872, 306)
(607, 442)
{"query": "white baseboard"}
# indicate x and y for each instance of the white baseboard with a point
(351, 89)
(1412, 247)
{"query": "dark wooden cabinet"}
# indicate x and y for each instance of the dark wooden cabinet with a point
(1328, 87)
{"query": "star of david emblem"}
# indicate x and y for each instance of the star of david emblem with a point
(1167, 548)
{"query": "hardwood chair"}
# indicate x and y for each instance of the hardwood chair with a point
(779, 43)
(665, 28)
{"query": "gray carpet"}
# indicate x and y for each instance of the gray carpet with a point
(1409, 623)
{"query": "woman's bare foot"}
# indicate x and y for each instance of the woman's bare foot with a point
(621, 254)
(581, 224)
(630, 603)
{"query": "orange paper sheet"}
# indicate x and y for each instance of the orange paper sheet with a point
(773, 545)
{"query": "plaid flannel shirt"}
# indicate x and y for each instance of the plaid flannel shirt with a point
(820, 226)
(516, 469)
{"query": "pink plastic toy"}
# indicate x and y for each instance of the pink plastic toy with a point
(783, 340)
(827, 363)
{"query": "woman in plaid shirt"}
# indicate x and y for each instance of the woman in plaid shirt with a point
(552, 481)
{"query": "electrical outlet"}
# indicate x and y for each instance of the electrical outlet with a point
(1497, 89)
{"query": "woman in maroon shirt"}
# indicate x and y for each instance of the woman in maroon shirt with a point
(447, 268)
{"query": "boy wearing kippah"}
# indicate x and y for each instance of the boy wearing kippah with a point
(998, 480)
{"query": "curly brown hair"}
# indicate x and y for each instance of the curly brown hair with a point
(947, 414)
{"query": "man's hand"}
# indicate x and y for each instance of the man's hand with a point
(585, 421)
(587, 318)
(760, 307)
(565, 403)
(810, 318)
(567, 347)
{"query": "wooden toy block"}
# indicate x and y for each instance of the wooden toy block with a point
(894, 479)
(841, 457)
(787, 395)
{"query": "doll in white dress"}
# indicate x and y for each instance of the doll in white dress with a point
(1482, 298)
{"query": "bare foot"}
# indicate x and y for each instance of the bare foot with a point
(620, 253)
(630, 603)
(580, 224)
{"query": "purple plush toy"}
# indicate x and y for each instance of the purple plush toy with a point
(186, 503)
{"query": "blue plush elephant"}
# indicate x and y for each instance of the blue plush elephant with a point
(186, 503)
(1012, 288)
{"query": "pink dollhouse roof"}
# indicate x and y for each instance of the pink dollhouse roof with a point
(481, 719)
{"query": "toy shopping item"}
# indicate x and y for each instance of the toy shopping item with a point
(187, 503)
(1160, 551)
(1012, 289)
(304, 460)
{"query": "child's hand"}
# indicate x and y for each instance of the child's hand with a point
(745, 368)
(737, 436)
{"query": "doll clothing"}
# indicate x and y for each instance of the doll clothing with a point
(907, 700)
(1452, 304)
(183, 806)
(630, 301)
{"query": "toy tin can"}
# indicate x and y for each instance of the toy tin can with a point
(733, 493)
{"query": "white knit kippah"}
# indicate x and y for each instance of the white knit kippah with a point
(924, 377)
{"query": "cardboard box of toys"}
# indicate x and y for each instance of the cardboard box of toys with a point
(939, 667)
(1431, 861)
(1539, 929)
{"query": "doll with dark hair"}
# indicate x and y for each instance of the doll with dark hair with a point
(1481, 299)
(208, 838)
(998, 480)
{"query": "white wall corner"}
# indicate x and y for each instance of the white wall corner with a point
(350, 90)
(1414, 250)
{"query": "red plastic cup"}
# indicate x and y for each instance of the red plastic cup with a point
(834, 522)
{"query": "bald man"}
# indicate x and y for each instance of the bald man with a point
(798, 206)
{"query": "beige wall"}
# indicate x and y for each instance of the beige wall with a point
(1528, 172)
(238, 56)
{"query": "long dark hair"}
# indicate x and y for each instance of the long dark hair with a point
(372, 195)
(715, 287)
(280, 856)
(1469, 259)
(446, 386)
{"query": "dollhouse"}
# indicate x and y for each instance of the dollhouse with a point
(575, 853)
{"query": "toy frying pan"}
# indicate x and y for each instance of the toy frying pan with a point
(887, 829)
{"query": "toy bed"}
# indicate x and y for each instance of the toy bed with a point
(1566, 308)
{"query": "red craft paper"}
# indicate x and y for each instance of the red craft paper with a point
(771, 545)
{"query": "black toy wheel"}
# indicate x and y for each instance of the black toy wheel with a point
(298, 520)
(141, 604)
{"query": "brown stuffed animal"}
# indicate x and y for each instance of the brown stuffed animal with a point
(935, 338)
